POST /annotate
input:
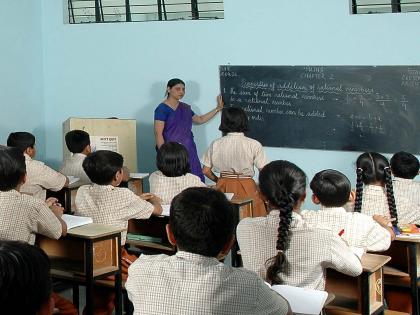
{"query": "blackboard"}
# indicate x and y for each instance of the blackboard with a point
(351, 108)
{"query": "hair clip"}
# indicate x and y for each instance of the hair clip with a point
(386, 168)
(359, 169)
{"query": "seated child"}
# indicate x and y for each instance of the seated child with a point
(332, 190)
(193, 281)
(234, 156)
(39, 176)
(405, 167)
(174, 172)
(108, 204)
(281, 247)
(23, 216)
(24, 268)
(78, 143)
(377, 196)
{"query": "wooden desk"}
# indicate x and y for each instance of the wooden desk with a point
(404, 266)
(243, 209)
(85, 254)
(363, 294)
(65, 196)
(135, 183)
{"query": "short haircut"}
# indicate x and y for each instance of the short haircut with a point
(21, 140)
(102, 165)
(233, 119)
(405, 165)
(77, 140)
(202, 220)
(172, 159)
(12, 168)
(25, 281)
(331, 187)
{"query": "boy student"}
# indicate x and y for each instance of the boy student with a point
(39, 176)
(23, 216)
(332, 190)
(405, 166)
(193, 281)
(78, 143)
(24, 269)
(108, 204)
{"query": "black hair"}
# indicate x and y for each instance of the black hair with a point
(172, 82)
(283, 184)
(12, 168)
(233, 119)
(77, 140)
(172, 159)
(405, 165)
(373, 168)
(102, 165)
(21, 140)
(331, 187)
(202, 220)
(25, 281)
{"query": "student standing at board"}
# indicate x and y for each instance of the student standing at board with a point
(173, 122)
(234, 156)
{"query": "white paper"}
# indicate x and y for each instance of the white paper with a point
(109, 143)
(229, 196)
(301, 300)
(165, 210)
(139, 175)
(73, 221)
(358, 251)
(72, 179)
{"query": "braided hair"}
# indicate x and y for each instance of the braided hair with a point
(283, 184)
(373, 168)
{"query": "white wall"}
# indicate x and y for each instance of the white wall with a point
(121, 69)
(21, 73)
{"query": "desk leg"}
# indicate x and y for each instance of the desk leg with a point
(76, 295)
(234, 251)
(412, 257)
(89, 278)
(118, 282)
(365, 293)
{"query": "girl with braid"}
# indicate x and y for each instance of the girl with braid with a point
(377, 195)
(281, 247)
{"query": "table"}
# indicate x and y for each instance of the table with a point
(363, 294)
(85, 254)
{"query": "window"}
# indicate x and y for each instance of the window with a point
(384, 6)
(102, 11)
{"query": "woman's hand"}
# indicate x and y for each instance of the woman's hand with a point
(220, 103)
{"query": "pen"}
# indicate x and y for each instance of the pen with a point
(341, 232)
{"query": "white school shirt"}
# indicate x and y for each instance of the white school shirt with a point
(360, 230)
(72, 166)
(235, 153)
(408, 189)
(311, 250)
(166, 188)
(39, 178)
(191, 284)
(374, 201)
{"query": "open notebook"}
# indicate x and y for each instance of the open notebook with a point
(73, 221)
(301, 300)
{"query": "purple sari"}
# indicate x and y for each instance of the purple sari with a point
(177, 128)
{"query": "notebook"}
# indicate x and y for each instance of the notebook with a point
(72, 179)
(73, 221)
(139, 175)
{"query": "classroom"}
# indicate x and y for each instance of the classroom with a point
(52, 70)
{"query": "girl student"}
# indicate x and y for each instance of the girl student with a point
(173, 122)
(234, 156)
(377, 195)
(281, 247)
(173, 175)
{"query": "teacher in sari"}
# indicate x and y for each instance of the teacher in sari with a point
(173, 122)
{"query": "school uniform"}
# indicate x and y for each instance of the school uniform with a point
(188, 283)
(40, 177)
(374, 201)
(234, 157)
(311, 250)
(72, 166)
(21, 218)
(408, 189)
(360, 230)
(110, 205)
(166, 188)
